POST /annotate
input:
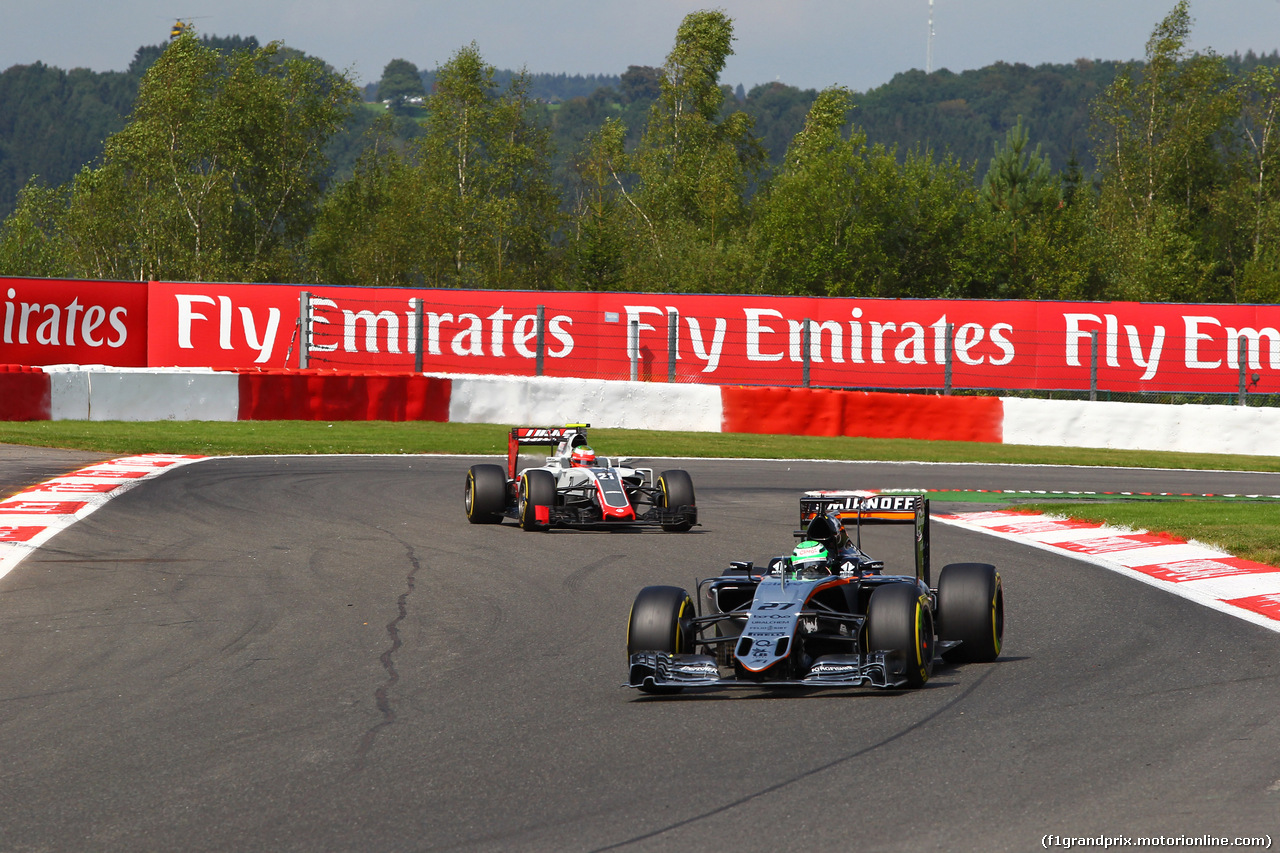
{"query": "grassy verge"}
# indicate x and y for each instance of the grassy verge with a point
(1250, 530)
(217, 438)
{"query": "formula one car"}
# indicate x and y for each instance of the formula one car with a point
(576, 488)
(825, 616)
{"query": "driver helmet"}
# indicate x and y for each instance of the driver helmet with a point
(827, 530)
(583, 456)
(811, 557)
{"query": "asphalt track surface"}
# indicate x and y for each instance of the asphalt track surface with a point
(320, 654)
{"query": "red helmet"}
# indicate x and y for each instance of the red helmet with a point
(584, 456)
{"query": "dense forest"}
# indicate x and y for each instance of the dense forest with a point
(222, 159)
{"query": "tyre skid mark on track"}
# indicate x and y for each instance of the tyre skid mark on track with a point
(382, 694)
(36, 514)
(575, 579)
(1240, 588)
(987, 672)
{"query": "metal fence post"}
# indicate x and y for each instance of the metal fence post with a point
(1093, 366)
(949, 357)
(1244, 370)
(542, 339)
(673, 332)
(633, 348)
(805, 356)
(304, 330)
(417, 336)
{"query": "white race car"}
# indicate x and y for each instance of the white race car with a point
(576, 488)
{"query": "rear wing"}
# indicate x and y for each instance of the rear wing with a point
(563, 438)
(863, 507)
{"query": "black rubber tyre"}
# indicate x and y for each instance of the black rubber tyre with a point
(677, 491)
(659, 622)
(971, 610)
(899, 621)
(485, 498)
(537, 488)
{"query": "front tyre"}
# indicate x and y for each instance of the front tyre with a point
(900, 622)
(485, 498)
(661, 621)
(537, 497)
(971, 610)
(677, 491)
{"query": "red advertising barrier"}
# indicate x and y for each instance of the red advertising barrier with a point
(852, 343)
(328, 396)
(64, 321)
(804, 411)
(24, 394)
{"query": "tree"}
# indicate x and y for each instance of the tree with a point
(400, 86)
(30, 238)
(693, 165)
(485, 170)
(845, 219)
(600, 235)
(1019, 182)
(217, 173)
(1160, 133)
(369, 229)
(1256, 188)
(802, 222)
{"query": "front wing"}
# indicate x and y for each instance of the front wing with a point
(587, 516)
(661, 669)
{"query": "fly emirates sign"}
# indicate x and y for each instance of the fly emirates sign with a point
(755, 340)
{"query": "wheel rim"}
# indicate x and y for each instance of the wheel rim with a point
(923, 650)
(997, 617)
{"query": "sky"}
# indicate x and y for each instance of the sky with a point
(811, 44)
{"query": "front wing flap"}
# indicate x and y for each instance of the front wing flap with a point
(590, 516)
(662, 669)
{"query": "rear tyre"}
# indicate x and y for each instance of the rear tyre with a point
(537, 489)
(660, 621)
(485, 498)
(677, 491)
(899, 622)
(971, 610)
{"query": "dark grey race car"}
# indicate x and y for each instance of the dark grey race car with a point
(824, 616)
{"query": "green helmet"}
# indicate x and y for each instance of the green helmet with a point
(810, 556)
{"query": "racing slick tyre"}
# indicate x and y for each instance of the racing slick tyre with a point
(660, 622)
(899, 621)
(971, 610)
(677, 491)
(537, 489)
(486, 496)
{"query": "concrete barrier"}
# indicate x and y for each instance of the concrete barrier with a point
(124, 394)
(543, 400)
(1142, 426)
(100, 393)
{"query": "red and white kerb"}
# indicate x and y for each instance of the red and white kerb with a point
(35, 514)
(1241, 588)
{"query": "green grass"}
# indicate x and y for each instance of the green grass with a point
(219, 438)
(1245, 529)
